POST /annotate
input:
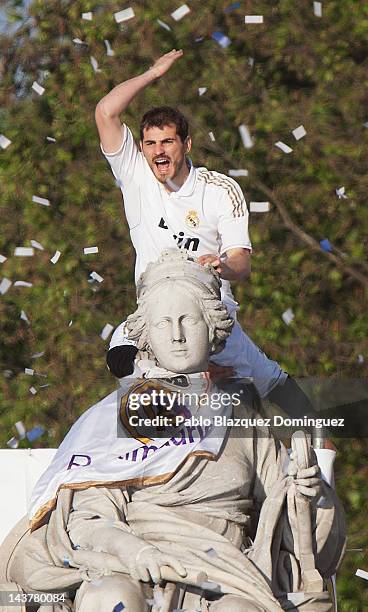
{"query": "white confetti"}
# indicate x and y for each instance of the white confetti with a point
(240, 172)
(164, 25)
(29, 371)
(109, 50)
(87, 16)
(70, 323)
(361, 574)
(4, 141)
(3, 258)
(210, 586)
(12, 443)
(259, 207)
(106, 331)
(55, 258)
(253, 18)
(251, 61)
(37, 355)
(50, 139)
(202, 90)
(5, 285)
(22, 284)
(32, 390)
(38, 88)
(245, 136)
(212, 136)
(288, 316)
(78, 41)
(21, 429)
(340, 192)
(37, 245)
(299, 132)
(180, 12)
(317, 9)
(124, 15)
(360, 359)
(94, 63)
(42, 201)
(24, 251)
(89, 250)
(96, 277)
(284, 147)
(24, 317)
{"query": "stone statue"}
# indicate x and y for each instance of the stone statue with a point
(178, 515)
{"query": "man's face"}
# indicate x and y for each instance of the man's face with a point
(165, 152)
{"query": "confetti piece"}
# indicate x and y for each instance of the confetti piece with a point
(284, 147)
(44, 386)
(119, 607)
(211, 552)
(4, 141)
(66, 562)
(3, 258)
(317, 9)
(7, 373)
(106, 331)
(5, 285)
(42, 201)
(326, 245)
(340, 192)
(37, 355)
(251, 61)
(22, 284)
(288, 316)
(360, 359)
(180, 12)
(94, 63)
(24, 252)
(90, 250)
(299, 132)
(245, 136)
(37, 88)
(259, 207)
(212, 136)
(78, 41)
(96, 277)
(202, 90)
(109, 50)
(253, 18)
(87, 16)
(232, 7)
(210, 586)
(37, 245)
(163, 25)
(33, 390)
(35, 433)
(50, 139)
(240, 172)
(362, 574)
(20, 429)
(24, 317)
(29, 371)
(13, 443)
(55, 258)
(124, 15)
(70, 323)
(223, 40)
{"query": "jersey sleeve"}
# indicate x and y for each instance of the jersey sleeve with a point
(233, 218)
(127, 162)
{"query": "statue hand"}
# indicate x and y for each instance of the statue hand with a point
(147, 564)
(307, 481)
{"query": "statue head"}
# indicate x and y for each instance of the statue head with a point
(180, 320)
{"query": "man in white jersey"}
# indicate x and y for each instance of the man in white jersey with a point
(168, 202)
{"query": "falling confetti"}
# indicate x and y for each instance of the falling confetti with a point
(223, 40)
(317, 9)
(78, 41)
(37, 245)
(90, 250)
(33, 390)
(362, 574)
(87, 16)
(22, 284)
(340, 192)
(5, 285)
(253, 18)
(212, 136)
(106, 331)
(50, 139)
(94, 63)
(24, 251)
(55, 258)
(24, 317)
(164, 25)
(20, 429)
(180, 12)
(202, 90)
(284, 147)
(259, 207)
(37, 355)
(35, 433)
(360, 359)
(38, 88)
(109, 50)
(326, 245)
(13, 443)
(96, 277)
(288, 316)
(42, 201)
(240, 172)
(124, 15)
(29, 371)
(119, 607)
(299, 132)
(245, 136)
(3, 258)
(4, 141)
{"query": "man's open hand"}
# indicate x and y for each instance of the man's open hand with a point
(165, 62)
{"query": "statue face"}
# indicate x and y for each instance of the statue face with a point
(177, 331)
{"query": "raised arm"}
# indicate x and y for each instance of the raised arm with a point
(110, 107)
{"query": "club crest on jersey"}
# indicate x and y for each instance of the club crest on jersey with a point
(192, 219)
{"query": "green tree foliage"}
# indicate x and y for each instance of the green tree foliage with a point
(295, 68)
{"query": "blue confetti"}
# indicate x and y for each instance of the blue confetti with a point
(66, 562)
(232, 7)
(119, 607)
(326, 245)
(35, 433)
(223, 40)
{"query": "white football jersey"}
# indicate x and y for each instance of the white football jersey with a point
(208, 214)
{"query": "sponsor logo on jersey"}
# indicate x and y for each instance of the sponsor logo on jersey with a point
(183, 242)
(192, 219)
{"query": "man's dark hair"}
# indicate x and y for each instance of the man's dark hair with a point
(165, 115)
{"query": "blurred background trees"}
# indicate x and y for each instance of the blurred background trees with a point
(297, 68)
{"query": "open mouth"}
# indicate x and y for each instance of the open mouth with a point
(162, 164)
